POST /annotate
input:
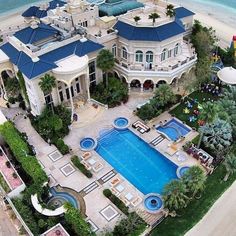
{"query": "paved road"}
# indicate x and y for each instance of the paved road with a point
(221, 218)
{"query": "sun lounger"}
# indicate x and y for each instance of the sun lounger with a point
(124, 200)
(86, 165)
(86, 155)
(129, 196)
(114, 182)
(136, 201)
(119, 187)
(97, 167)
(115, 191)
(91, 161)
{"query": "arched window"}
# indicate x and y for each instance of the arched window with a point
(149, 56)
(139, 56)
(176, 49)
(114, 50)
(124, 53)
(164, 54)
(169, 53)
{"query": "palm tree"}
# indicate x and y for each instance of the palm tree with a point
(174, 195)
(164, 95)
(218, 135)
(153, 16)
(105, 61)
(47, 83)
(208, 114)
(194, 180)
(137, 19)
(230, 165)
(170, 10)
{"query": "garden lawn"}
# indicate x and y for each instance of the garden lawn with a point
(201, 97)
(196, 209)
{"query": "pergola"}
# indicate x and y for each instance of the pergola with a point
(227, 75)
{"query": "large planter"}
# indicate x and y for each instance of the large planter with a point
(15, 105)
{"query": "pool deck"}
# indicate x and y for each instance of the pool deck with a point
(91, 189)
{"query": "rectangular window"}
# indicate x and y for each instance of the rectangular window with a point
(48, 99)
(67, 93)
(77, 87)
(169, 53)
(92, 71)
(72, 91)
(61, 96)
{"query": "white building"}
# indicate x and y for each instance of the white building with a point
(63, 39)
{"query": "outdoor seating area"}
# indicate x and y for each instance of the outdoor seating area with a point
(119, 189)
(90, 162)
(140, 126)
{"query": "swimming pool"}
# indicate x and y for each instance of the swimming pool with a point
(144, 167)
(173, 129)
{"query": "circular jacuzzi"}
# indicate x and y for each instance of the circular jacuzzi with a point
(181, 171)
(121, 123)
(153, 203)
(88, 144)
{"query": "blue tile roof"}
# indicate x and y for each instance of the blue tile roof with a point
(30, 35)
(182, 12)
(47, 61)
(158, 33)
(36, 12)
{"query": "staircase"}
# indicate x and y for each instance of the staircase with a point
(157, 140)
(89, 188)
(107, 177)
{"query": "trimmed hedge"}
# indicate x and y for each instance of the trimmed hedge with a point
(62, 147)
(74, 218)
(75, 160)
(21, 151)
(116, 201)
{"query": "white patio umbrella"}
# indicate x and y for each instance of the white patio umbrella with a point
(227, 75)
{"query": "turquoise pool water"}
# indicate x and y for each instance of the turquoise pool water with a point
(147, 169)
(174, 129)
(62, 197)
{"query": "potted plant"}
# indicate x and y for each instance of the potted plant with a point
(8, 164)
(14, 175)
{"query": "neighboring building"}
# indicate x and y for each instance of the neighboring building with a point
(65, 40)
(57, 230)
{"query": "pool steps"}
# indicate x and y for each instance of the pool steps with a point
(107, 176)
(157, 140)
(89, 188)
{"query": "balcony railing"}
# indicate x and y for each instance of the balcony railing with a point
(156, 67)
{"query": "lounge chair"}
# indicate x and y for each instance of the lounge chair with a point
(129, 196)
(119, 188)
(91, 161)
(86, 155)
(115, 181)
(136, 201)
(86, 165)
(97, 167)
(124, 200)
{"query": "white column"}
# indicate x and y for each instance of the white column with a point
(87, 85)
(141, 88)
(71, 102)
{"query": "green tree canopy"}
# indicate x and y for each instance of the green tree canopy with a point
(170, 10)
(217, 135)
(230, 165)
(174, 195)
(47, 83)
(164, 95)
(153, 16)
(194, 179)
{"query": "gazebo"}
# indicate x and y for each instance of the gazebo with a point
(227, 75)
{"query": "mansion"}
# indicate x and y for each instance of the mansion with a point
(63, 39)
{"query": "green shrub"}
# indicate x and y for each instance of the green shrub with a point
(116, 201)
(4, 184)
(75, 160)
(131, 226)
(113, 95)
(62, 147)
(74, 218)
(107, 193)
(12, 100)
(52, 125)
(21, 151)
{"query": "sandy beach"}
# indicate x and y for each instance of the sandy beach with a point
(223, 32)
